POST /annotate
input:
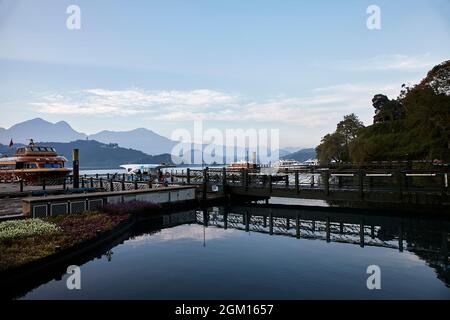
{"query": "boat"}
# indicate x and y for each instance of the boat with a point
(34, 164)
(144, 169)
(288, 165)
(311, 162)
(237, 166)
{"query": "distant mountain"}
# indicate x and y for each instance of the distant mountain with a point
(287, 151)
(96, 155)
(139, 139)
(302, 155)
(40, 130)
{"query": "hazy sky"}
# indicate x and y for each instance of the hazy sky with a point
(298, 66)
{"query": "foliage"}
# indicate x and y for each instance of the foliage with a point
(26, 228)
(423, 134)
(415, 126)
(335, 147)
(73, 229)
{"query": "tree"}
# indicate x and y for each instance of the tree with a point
(349, 127)
(334, 147)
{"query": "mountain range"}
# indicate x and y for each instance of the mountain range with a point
(141, 139)
(301, 155)
(97, 155)
(41, 130)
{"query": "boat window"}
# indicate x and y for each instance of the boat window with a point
(52, 165)
(30, 166)
(19, 165)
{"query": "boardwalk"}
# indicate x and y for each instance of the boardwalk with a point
(395, 186)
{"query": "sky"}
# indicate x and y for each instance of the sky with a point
(296, 66)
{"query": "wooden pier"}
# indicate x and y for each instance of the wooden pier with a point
(352, 187)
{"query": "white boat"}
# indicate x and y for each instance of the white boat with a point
(144, 169)
(287, 165)
(311, 162)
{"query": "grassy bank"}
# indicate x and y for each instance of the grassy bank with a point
(24, 241)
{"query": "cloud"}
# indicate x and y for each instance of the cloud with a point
(319, 108)
(128, 102)
(393, 62)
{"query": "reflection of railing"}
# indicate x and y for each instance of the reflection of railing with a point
(334, 229)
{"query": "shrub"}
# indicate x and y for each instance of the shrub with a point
(26, 228)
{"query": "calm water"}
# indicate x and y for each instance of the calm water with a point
(237, 253)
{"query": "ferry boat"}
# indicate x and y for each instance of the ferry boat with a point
(288, 165)
(145, 169)
(237, 166)
(33, 164)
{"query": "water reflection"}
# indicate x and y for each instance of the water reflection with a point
(428, 239)
(265, 252)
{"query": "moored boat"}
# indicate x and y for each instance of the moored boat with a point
(237, 166)
(288, 165)
(34, 164)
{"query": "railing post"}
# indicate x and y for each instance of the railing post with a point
(107, 176)
(123, 185)
(64, 183)
(400, 182)
(43, 184)
(92, 182)
(247, 221)
(297, 225)
(205, 184)
(136, 187)
(21, 185)
(327, 182)
(188, 176)
(111, 185)
(101, 183)
(150, 184)
(270, 184)
(271, 224)
(76, 168)
(287, 181)
(328, 230)
(224, 177)
(361, 183)
(246, 179)
(82, 182)
(297, 182)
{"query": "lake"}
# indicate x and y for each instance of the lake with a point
(267, 252)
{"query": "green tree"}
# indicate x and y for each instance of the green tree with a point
(335, 147)
(349, 127)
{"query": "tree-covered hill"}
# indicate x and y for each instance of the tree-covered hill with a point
(415, 126)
